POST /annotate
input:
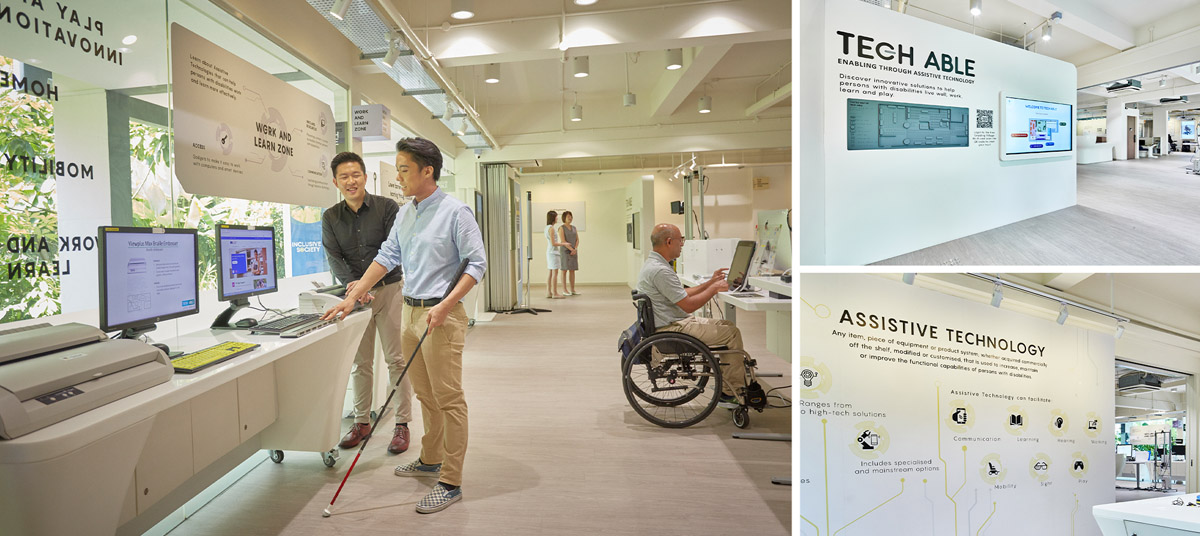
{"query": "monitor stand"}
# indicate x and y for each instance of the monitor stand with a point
(222, 321)
(136, 332)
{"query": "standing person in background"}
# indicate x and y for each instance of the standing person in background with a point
(553, 258)
(352, 232)
(569, 255)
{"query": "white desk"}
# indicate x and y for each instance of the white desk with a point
(120, 468)
(779, 317)
(1149, 517)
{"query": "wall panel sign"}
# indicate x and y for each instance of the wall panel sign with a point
(372, 122)
(945, 416)
(241, 132)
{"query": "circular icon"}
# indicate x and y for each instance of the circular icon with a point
(1059, 424)
(815, 379)
(1039, 467)
(1092, 425)
(870, 441)
(1079, 465)
(225, 138)
(1015, 420)
(990, 468)
(960, 416)
(324, 123)
(322, 163)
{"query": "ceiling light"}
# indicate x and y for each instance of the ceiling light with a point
(630, 99)
(674, 58)
(976, 7)
(909, 278)
(997, 295)
(462, 128)
(1162, 82)
(129, 40)
(339, 9)
(576, 113)
(449, 112)
(1047, 31)
(491, 73)
(1120, 329)
(579, 66)
(393, 53)
(705, 104)
(584, 2)
(462, 9)
(1062, 315)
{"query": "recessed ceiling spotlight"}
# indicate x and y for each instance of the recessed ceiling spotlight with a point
(129, 40)
(462, 9)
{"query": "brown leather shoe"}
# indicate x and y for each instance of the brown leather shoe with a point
(357, 433)
(399, 440)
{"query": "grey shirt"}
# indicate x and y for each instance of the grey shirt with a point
(352, 239)
(658, 281)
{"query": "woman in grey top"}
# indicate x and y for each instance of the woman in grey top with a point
(568, 235)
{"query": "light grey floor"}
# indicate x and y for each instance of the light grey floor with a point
(1127, 492)
(1130, 212)
(554, 449)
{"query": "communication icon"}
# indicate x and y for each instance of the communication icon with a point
(959, 416)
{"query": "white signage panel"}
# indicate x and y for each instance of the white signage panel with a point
(241, 132)
(372, 122)
(945, 416)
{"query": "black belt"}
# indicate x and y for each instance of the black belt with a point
(414, 302)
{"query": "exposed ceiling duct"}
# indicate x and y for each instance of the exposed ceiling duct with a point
(1138, 382)
(1125, 86)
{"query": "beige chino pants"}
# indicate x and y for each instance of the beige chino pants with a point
(436, 375)
(387, 310)
(713, 332)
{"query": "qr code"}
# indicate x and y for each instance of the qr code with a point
(983, 119)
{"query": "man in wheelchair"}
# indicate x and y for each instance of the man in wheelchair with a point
(673, 305)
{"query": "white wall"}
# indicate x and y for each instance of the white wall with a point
(883, 203)
(638, 197)
(603, 196)
(731, 203)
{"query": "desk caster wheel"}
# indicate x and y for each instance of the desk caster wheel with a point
(330, 457)
(741, 417)
(277, 456)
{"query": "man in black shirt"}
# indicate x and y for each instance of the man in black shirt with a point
(352, 232)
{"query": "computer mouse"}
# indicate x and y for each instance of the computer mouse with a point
(246, 323)
(166, 349)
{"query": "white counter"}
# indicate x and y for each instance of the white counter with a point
(122, 466)
(1093, 153)
(1149, 517)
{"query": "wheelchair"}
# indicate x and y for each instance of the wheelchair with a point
(673, 379)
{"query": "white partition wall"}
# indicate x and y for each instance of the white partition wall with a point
(926, 413)
(934, 172)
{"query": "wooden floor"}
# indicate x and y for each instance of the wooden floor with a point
(1129, 212)
(554, 449)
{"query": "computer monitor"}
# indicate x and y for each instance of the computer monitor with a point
(1178, 450)
(739, 268)
(147, 275)
(245, 266)
(1127, 450)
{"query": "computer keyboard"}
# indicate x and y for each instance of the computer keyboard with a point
(745, 294)
(283, 324)
(305, 328)
(200, 359)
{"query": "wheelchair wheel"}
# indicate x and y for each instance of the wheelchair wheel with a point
(741, 417)
(672, 389)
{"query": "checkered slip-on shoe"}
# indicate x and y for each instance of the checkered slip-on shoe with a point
(438, 499)
(416, 468)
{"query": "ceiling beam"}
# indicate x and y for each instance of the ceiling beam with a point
(615, 31)
(1064, 282)
(1085, 18)
(1163, 53)
(776, 97)
(1144, 404)
(674, 86)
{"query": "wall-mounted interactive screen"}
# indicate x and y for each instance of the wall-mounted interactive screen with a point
(1034, 128)
(247, 261)
(146, 276)
(896, 125)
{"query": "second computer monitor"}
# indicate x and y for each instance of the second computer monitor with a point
(739, 269)
(246, 261)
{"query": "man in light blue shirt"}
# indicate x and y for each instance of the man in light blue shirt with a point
(430, 237)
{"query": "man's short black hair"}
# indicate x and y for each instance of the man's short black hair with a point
(347, 156)
(423, 152)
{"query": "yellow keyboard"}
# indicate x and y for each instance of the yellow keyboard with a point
(189, 363)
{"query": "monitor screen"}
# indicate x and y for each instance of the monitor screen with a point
(246, 261)
(146, 275)
(1034, 127)
(1178, 450)
(739, 268)
(1126, 450)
